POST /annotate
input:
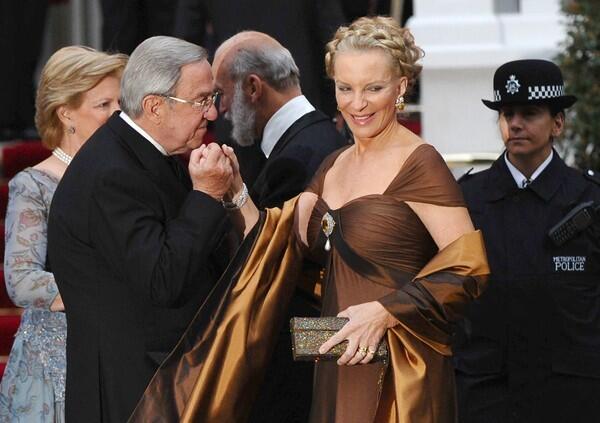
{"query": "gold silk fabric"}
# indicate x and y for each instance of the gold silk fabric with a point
(419, 384)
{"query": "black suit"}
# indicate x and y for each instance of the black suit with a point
(285, 395)
(294, 160)
(129, 245)
(302, 26)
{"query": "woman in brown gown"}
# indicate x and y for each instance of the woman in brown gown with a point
(385, 232)
(388, 220)
(395, 204)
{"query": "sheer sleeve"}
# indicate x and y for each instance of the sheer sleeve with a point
(27, 282)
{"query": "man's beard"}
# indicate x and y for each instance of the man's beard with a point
(243, 118)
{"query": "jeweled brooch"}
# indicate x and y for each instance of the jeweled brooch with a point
(327, 225)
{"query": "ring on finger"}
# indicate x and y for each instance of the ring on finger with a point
(363, 350)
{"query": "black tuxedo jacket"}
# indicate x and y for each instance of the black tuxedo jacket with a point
(130, 246)
(294, 160)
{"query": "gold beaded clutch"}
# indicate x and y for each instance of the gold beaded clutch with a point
(309, 333)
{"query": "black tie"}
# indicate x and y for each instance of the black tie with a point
(525, 183)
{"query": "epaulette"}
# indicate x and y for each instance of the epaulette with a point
(592, 176)
(465, 176)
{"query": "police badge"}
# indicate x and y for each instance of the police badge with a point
(512, 85)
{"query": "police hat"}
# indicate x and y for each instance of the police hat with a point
(529, 82)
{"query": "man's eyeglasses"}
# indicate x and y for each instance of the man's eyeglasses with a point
(201, 106)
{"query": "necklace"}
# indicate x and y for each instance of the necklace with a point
(62, 156)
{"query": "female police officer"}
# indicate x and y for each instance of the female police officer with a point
(530, 348)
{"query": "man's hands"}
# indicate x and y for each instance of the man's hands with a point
(215, 171)
(211, 170)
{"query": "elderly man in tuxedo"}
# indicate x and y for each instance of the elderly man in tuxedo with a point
(283, 141)
(132, 235)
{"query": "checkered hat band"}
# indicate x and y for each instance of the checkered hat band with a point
(497, 95)
(545, 91)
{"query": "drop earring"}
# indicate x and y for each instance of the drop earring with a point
(399, 103)
(71, 130)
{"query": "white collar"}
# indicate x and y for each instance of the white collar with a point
(519, 178)
(143, 133)
(281, 120)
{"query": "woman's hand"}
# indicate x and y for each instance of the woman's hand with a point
(367, 325)
(237, 182)
(57, 304)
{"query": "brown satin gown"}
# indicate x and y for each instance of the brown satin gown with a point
(383, 230)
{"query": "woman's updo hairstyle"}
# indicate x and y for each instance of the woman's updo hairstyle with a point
(378, 32)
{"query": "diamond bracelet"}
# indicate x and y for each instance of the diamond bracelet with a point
(239, 202)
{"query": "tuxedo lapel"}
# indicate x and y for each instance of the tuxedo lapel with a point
(306, 120)
(261, 187)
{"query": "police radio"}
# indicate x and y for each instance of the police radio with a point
(577, 220)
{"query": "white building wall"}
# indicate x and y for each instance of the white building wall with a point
(464, 42)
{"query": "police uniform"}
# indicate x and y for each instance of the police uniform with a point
(529, 350)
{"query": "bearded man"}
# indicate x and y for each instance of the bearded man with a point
(286, 137)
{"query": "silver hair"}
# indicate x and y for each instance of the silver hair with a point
(273, 64)
(242, 116)
(154, 67)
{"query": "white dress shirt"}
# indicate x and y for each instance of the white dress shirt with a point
(519, 178)
(143, 133)
(281, 120)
